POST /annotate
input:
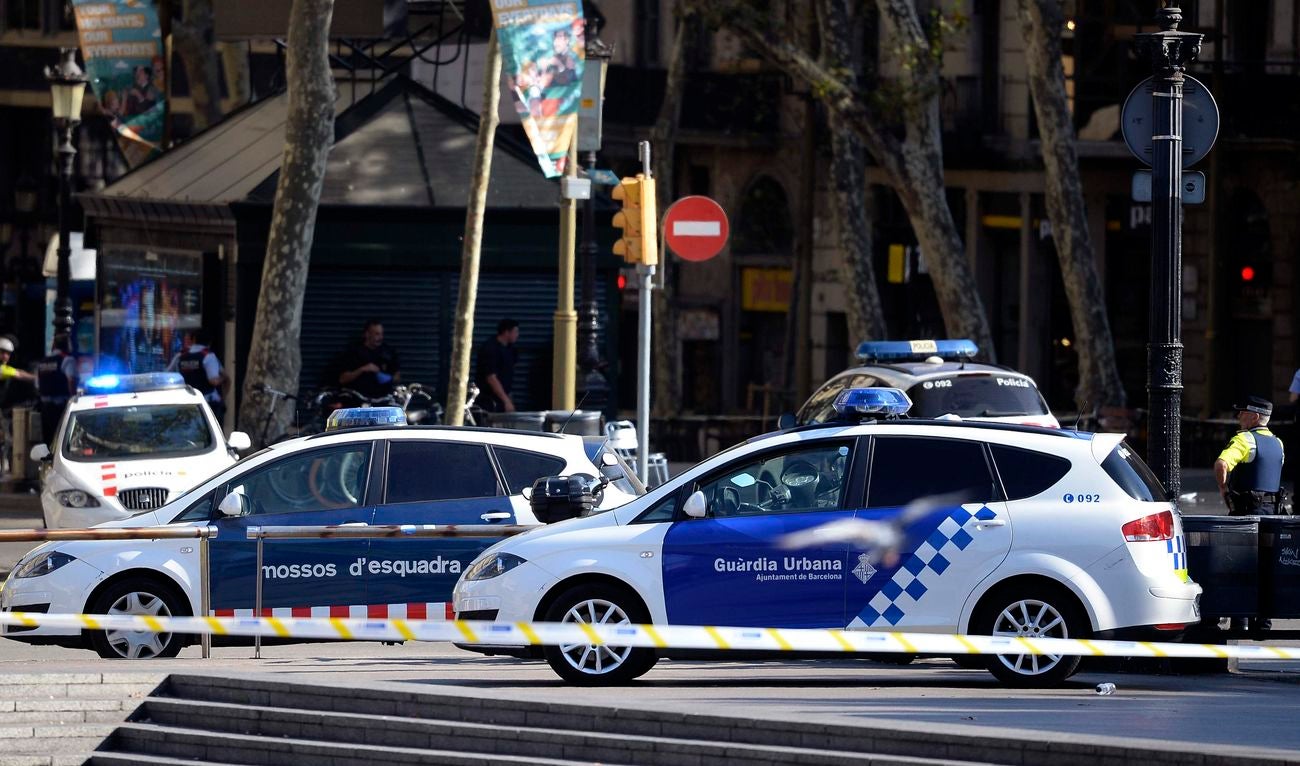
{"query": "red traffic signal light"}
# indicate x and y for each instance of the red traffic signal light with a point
(1247, 273)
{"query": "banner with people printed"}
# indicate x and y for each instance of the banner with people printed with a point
(121, 42)
(542, 54)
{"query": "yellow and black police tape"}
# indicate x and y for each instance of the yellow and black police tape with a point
(650, 636)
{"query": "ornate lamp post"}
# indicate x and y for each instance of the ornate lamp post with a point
(592, 388)
(1168, 51)
(67, 86)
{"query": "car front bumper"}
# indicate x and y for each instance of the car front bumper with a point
(62, 591)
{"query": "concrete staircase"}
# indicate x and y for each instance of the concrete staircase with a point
(254, 720)
(57, 719)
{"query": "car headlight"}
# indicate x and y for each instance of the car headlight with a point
(492, 566)
(43, 564)
(75, 498)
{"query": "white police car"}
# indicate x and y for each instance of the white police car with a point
(126, 445)
(935, 526)
(377, 476)
(940, 380)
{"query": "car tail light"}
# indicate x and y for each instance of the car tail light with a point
(1157, 526)
(1171, 626)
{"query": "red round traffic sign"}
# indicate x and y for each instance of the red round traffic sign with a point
(695, 228)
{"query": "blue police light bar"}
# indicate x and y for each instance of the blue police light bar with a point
(133, 384)
(364, 417)
(886, 350)
(857, 402)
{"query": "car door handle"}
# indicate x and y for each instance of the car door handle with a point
(990, 522)
(354, 524)
(495, 516)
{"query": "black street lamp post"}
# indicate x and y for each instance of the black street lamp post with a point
(592, 387)
(1168, 50)
(67, 86)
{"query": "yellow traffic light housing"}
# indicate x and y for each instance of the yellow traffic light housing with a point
(638, 220)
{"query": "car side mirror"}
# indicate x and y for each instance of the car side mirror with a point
(696, 505)
(234, 504)
(786, 421)
(239, 441)
(40, 452)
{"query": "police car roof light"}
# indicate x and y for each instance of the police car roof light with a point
(363, 417)
(858, 402)
(129, 384)
(885, 350)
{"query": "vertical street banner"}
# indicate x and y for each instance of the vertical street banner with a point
(542, 54)
(122, 44)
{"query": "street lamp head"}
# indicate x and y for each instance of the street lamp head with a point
(67, 86)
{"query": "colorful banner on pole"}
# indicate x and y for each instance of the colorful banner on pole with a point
(122, 45)
(542, 53)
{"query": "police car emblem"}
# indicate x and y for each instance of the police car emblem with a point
(863, 571)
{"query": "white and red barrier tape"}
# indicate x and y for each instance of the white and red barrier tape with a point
(650, 636)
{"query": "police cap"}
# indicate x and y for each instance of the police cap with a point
(1255, 404)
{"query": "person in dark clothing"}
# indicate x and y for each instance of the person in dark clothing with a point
(1249, 473)
(495, 374)
(56, 381)
(201, 369)
(370, 367)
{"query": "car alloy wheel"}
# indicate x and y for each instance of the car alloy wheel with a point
(598, 604)
(1030, 613)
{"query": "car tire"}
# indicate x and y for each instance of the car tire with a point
(137, 595)
(590, 664)
(1034, 611)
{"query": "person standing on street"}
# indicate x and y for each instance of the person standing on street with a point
(495, 373)
(370, 367)
(1249, 470)
(201, 369)
(56, 382)
(7, 371)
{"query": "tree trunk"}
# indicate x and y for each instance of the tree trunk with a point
(666, 366)
(866, 317)
(275, 358)
(914, 163)
(463, 335)
(194, 42)
(1043, 22)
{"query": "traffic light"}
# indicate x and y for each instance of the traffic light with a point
(638, 220)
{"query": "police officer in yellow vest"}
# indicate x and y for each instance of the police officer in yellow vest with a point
(1249, 470)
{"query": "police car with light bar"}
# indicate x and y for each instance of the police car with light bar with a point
(128, 444)
(368, 468)
(871, 522)
(941, 380)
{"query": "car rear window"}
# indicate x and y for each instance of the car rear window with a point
(1026, 473)
(522, 468)
(820, 407)
(1131, 473)
(984, 395)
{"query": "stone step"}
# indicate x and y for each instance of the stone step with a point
(424, 733)
(102, 758)
(220, 747)
(14, 735)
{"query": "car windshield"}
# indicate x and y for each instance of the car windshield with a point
(989, 395)
(124, 433)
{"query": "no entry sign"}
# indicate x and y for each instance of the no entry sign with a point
(695, 228)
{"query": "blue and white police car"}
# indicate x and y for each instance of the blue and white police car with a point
(975, 528)
(126, 445)
(940, 379)
(360, 475)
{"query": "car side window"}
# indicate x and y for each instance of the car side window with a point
(319, 480)
(522, 468)
(1026, 473)
(199, 510)
(803, 479)
(426, 471)
(664, 510)
(905, 469)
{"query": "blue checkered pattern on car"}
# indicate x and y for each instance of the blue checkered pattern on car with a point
(921, 569)
(1178, 548)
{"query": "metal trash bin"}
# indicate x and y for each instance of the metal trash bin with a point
(580, 422)
(519, 421)
(1223, 557)
(1279, 566)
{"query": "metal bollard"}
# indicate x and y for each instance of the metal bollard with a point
(257, 598)
(205, 593)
